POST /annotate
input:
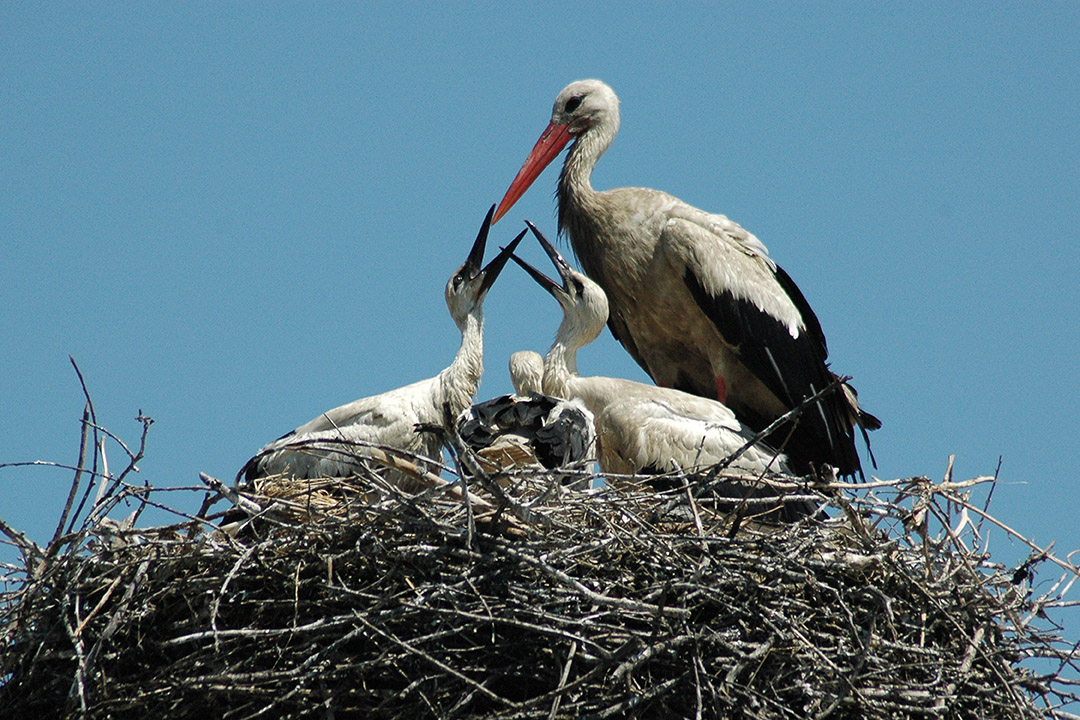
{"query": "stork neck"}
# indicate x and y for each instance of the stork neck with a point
(575, 182)
(560, 365)
(460, 380)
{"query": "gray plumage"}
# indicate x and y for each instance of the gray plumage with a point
(694, 297)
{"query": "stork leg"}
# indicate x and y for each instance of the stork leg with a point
(721, 389)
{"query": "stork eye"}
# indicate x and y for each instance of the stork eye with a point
(573, 103)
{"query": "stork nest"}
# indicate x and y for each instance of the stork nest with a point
(524, 599)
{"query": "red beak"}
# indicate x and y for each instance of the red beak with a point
(547, 148)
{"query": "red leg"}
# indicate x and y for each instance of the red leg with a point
(721, 389)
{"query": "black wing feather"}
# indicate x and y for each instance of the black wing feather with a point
(793, 368)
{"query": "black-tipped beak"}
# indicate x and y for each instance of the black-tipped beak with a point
(543, 280)
(493, 268)
(556, 259)
(476, 255)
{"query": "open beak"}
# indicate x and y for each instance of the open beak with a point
(493, 268)
(547, 148)
(476, 255)
(561, 265)
(471, 270)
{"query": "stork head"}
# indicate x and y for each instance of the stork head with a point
(467, 288)
(526, 372)
(581, 106)
(584, 304)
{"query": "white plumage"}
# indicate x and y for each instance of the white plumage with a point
(331, 445)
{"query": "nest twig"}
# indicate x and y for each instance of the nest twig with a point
(350, 598)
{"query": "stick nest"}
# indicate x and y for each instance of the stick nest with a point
(524, 599)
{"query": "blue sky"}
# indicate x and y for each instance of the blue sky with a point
(237, 216)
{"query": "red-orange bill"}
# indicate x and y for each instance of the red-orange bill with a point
(547, 148)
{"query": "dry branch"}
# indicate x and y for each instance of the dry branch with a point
(331, 598)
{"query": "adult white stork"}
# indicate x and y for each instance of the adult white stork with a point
(640, 428)
(695, 298)
(328, 445)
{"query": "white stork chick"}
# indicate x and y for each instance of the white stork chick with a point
(327, 446)
(529, 428)
(695, 298)
(641, 428)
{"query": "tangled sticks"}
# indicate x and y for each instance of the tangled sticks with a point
(523, 599)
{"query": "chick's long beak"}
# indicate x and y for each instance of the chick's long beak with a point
(476, 254)
(556, 289)
(493, 268)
